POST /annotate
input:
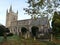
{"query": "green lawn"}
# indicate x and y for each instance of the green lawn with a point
(16, 40)
(1, 39)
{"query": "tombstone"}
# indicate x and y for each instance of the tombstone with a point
(34, 38)
(25, 36)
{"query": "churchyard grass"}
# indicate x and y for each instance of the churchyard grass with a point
(16, 40)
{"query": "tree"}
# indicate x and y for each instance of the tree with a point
(23, 30)
(34, 31)
(41, 8)
(56, 24)
(4, 31)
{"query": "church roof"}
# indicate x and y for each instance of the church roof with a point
(38, 21)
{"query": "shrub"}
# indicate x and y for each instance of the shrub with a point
(10, 34)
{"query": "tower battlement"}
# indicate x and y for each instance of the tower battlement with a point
(11, 17)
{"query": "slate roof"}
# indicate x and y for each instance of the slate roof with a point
(39, 21)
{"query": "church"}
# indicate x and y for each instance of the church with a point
(15, 26)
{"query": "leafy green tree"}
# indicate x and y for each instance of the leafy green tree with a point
(4, 31)
(56, 24)
(24, 30)
(42, 8)
(34, 31)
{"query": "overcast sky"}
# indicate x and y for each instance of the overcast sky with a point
(16, 5)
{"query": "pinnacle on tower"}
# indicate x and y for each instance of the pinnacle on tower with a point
(10, 8)
(7, 11)
(17, 11)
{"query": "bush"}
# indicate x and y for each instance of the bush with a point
(50, 43)
(10, 34)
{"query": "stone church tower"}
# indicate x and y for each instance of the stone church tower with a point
(10, 17)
